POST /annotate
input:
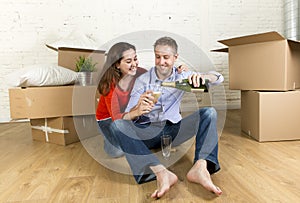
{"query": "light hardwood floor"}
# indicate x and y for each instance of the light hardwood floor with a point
(32, 171)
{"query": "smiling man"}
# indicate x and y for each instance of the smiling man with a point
(148, 121)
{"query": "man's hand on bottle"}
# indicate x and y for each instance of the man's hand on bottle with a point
(195, 78)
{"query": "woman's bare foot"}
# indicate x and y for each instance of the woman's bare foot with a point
(165, 180)
(199, 174)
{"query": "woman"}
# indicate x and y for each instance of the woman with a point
(122, 69)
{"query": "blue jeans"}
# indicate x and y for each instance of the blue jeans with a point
(111, 144)
(136, 140)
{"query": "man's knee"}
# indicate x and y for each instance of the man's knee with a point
(208, 113)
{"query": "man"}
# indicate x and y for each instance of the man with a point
(145, 122)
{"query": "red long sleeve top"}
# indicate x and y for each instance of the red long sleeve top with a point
(114, 103)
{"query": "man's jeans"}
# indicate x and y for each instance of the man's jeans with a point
(111, 144)
(136, 140)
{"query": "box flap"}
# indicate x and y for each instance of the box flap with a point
(294, 44)
(52, 47)
(74, 49)
(221, 50)
(80, 49)
(256, 38)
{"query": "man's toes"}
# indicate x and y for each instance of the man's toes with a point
(154, 194)
(217, 190)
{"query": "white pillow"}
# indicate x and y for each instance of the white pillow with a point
(41, 75)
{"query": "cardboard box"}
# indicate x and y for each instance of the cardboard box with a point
(45, 102)
(64, 130)
(264, 61)
(271, 116)
(67, 58)
(58, 130)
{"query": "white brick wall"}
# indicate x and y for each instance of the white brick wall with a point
(26, 25)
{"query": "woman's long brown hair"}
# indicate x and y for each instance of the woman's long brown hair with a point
(112, 74)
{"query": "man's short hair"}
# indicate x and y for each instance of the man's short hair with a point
(167, 41)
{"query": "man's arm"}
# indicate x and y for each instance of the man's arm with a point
(213, 77)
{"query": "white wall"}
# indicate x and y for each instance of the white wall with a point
(26, 25)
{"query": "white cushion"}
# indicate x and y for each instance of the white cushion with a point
(41, 75)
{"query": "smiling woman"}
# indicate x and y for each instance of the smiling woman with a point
(121, 70)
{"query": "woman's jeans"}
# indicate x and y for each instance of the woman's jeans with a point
(111, 144)
(136, 140)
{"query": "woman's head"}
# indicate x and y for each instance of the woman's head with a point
(121, 59)
(116, 54)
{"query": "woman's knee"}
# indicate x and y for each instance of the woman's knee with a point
(116, 124)
(119, 126)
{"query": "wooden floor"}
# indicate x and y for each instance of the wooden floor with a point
(32, 171)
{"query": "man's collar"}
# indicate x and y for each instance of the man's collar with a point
(170, 78)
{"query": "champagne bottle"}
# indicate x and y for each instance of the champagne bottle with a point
(186, 86)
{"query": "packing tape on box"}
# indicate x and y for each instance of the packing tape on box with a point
(47, 130)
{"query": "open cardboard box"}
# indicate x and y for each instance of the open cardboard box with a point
(265, 61)
(271, 116)
(67, 58)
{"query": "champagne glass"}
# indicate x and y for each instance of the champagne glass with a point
(156, 92)
(166, 144)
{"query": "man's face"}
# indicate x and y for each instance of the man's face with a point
(165, 58)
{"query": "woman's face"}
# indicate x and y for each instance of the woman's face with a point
(129, 63)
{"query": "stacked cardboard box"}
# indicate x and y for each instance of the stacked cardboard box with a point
(58, 113)
(266, 68)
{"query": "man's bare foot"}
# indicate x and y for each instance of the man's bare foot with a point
(165, 180)
(199, 174)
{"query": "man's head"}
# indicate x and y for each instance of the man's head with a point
(165, 50)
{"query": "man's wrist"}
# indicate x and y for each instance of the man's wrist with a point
(213, 77)
(127, 116)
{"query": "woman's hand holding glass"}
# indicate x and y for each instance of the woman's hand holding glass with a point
(146, 102)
